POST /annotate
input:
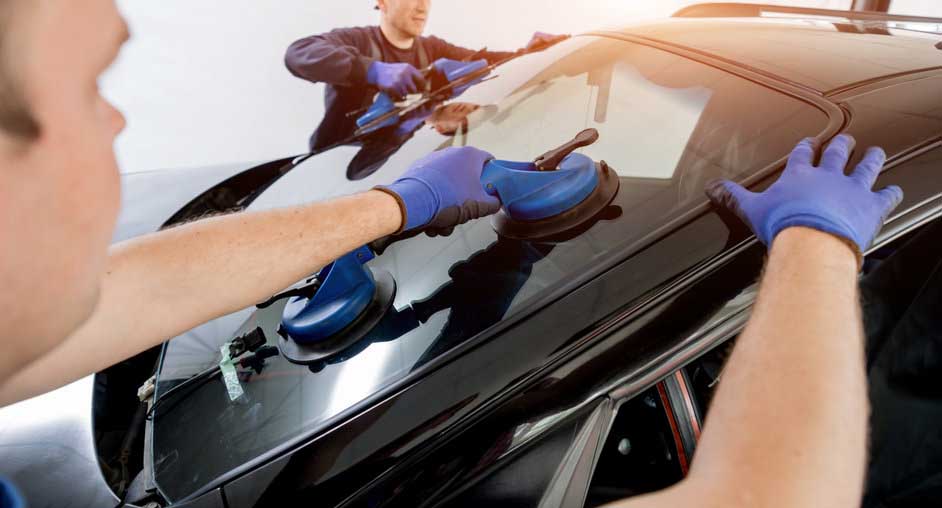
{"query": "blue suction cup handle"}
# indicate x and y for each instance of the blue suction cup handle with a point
(528, 194)
(381, 106)
(346, 291)
(457, 69)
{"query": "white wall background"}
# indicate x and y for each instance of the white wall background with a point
(202, 82)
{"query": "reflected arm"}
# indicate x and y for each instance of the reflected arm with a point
(160, 285)
(439, 48)
(337, 58)
(788, 425)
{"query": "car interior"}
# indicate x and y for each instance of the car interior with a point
(647, 447)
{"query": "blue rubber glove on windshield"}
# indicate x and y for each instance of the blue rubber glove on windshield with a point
(821, 198)
(396, 79)
(443, 190)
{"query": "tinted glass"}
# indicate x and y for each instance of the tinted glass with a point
(667, 125)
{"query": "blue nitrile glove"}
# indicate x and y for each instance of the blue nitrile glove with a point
(410, 124)
(543, 40)
(821, 198)
(454, 70)
(9, 496)
(415, 119)
(443, 189)
(397, 79)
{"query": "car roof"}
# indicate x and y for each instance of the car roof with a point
(824, 53)
(486, 367)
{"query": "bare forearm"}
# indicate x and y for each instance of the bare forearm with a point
(788, 424)
(220, 265)
(163, 284)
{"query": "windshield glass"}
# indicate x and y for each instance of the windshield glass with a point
(667, 126)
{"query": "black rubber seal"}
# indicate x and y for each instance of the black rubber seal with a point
(307, 354)
(585, 211)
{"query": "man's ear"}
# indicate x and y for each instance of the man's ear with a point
(381, 6)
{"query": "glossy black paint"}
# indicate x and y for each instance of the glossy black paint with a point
(401, 450)
(235, 192)
(375, 461)
(813, 54)
(466, 451)
(570, 363)
(206, 438)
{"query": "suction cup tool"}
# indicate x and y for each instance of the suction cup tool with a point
(557, 192)
(378, 115)
(349, 303)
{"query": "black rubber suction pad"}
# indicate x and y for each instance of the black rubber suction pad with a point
(586, 210)
(306, 354)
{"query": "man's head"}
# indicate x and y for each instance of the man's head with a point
(59, 185)
(406, 17)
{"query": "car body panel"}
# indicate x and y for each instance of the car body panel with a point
(327, 480)
(899, 117)
(711, 308)
(298, 481)
(803, 51)
(46, 444)
(490, 274)
(149, 198)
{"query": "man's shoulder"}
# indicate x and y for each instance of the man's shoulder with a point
(359, 32)
(436, 46)
(356, 29)
(434, 40)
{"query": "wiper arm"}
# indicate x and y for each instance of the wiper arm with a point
(253, 342)
(444, 92)
(305, 290)
(426, 73)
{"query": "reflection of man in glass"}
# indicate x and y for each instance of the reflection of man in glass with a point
(356, 63)
(452, 118)
(378, 147)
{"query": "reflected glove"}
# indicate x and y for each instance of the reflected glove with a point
(541, 40)
(821, 198)
(10, 497)
(397, 79)
(414, 120)
(454, 70)
(443, 190)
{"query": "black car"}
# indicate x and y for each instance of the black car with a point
(571, 370)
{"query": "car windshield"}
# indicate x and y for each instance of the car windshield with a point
(667, 124)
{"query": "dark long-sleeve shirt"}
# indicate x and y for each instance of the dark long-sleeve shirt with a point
(341, 58)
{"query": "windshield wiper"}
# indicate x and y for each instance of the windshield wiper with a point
(307, 289)
(362, 132)
(444, 92)
(253, 342)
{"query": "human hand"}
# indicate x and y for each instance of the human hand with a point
(397, 79)
(443, 190)
(454, 70)
(541, 41)
(821, 197)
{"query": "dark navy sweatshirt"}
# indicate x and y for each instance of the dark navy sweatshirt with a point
(341, 58)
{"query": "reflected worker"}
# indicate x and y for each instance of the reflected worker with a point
(356, 63)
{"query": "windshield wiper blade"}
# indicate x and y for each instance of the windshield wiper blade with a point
(253, 342)
(307, 290)
(444, 92)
